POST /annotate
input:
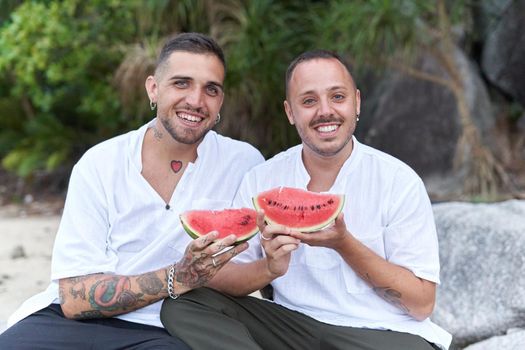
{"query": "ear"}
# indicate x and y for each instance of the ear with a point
(358, 101)
(151, 88)
(289, 113)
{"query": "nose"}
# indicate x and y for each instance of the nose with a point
(195, 98)
(325, 107)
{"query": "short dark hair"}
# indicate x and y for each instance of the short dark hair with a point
(312, 55)
(191, 42)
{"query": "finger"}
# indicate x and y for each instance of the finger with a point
(302, 235)
(219, 260)
(223, 243)
(260, 220)
(340, 224)
(271, 230)
(284, 250)
(204, 241)
(272, 247)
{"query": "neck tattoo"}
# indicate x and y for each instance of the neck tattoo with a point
(156, 133)
(176, 166)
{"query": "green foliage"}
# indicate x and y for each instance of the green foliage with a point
(260, 38)
(58, 59)
(72, 72)
(371, 29)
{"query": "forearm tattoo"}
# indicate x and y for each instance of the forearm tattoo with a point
(77, 289)
(389, 294)
(150, 284)
(113, 293)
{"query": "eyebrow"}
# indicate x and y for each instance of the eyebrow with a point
(333, 88)
(183, 77)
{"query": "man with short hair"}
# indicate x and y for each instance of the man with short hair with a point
(120, 248)
(366, 282)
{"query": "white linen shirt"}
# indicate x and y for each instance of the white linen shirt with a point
(386, 208)
(115, 222)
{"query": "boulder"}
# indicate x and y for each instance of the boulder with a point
(513, 340)
(417, 121)
(503, 53)
(482, 291)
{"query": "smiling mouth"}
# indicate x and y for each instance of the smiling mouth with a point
(189, 117)
(327, 128)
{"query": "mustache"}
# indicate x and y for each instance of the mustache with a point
(325, 119)
(199, 110)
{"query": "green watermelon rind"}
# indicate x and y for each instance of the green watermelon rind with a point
(312, 228)
(194, 234)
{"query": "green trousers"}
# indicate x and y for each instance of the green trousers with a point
(206, 319)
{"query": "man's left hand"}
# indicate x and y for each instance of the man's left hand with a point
(332, 236)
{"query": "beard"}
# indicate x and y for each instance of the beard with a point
(324, 148)
(184, 135)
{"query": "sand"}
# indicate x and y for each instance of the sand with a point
(25, 257)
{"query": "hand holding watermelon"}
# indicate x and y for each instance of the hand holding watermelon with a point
(278, 245)
(332, 236)
(203, 258)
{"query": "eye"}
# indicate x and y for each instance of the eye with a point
(181, 84)
(212, 90)
(338, 97)
(308, 101)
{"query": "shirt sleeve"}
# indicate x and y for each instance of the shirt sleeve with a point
(243, 198)
(81, 245)
(410, 236)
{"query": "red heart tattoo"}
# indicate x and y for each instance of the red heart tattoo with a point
(176, 165)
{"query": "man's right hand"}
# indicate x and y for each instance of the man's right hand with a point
(203, 259)
(277, 244)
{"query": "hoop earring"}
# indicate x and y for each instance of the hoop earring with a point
(152, 105)
(218, 119)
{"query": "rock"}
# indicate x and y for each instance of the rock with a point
(482, 247)
(503, 54)
(18, 252)
(512, 341)
(417, 121)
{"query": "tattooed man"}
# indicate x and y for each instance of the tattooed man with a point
(120, 249)
(366, 282)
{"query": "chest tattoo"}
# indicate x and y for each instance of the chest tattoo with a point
(176, 166)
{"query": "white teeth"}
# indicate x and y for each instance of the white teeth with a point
(327, 128)
(189, 117)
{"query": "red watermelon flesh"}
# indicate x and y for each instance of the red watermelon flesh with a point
(241, 222)
(299, 209)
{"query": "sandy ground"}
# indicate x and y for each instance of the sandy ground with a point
(25, 256)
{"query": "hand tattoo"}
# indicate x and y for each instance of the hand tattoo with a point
(192, 272)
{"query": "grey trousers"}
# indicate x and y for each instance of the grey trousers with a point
(49, 329)
(206, 319)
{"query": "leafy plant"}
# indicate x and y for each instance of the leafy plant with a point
(58, 59)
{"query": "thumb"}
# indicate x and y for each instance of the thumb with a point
(340, 221)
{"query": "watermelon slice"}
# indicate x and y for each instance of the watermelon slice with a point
(298, 209)
(241, 222)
